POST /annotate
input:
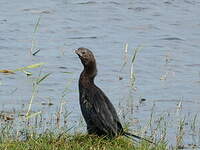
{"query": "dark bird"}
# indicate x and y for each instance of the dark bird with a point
(99, 113)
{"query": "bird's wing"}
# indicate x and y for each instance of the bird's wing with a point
(105, 115)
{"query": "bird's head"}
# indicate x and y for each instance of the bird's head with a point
(86, 56)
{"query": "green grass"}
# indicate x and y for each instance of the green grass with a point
(50, 141)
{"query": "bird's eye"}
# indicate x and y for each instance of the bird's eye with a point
(83, 53)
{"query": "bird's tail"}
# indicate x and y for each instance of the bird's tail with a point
(137, 137)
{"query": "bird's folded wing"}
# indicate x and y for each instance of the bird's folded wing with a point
(104, 113)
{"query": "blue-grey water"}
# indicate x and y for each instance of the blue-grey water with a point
(167, 67)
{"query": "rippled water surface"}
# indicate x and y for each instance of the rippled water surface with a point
(167, 67)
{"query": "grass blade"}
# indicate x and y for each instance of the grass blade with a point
(29, 67)
(33, 43)
(37, 25)
(43, 78)
(33, 115)
(7, 71)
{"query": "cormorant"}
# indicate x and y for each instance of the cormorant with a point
(99, 113)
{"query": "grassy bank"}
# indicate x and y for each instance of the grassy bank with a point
(49, 141)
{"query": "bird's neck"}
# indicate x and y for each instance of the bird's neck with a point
(88, 74)
(90, 70)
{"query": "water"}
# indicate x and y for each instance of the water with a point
(167, 67)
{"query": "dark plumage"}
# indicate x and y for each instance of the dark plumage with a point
(99, 113)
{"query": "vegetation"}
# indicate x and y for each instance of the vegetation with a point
(52, 141)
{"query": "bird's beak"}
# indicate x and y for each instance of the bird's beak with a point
(78, 52)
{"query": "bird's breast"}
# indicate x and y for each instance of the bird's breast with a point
(84, 100)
